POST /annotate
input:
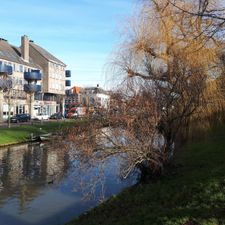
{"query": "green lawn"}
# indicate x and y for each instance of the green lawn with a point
(192, 192)
(18, 134)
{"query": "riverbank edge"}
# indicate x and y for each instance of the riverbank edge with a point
(191, 192)
(22, 133)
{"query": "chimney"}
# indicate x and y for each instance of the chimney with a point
(25, 48)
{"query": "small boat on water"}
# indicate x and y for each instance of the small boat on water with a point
(45, 137)
(33, 138)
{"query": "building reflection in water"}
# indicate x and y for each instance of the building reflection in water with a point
(26, 169)
(52, 183)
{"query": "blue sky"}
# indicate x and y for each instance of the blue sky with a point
(81, 33)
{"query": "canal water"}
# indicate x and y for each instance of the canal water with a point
(42, 184)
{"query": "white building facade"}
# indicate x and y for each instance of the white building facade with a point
(37, 80)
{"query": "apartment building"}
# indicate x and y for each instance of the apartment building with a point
(87, 96)
(38, 79)
(74, 97)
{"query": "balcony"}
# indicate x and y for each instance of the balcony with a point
(68, 73)
(5, 69)
(33, 75)
(49, 97)
(68, 83)
(32, 88)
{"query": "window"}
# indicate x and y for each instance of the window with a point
(20, 109)
(17, 68)
(1, 53)
(21, 68)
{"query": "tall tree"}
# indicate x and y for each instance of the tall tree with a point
(169, 62)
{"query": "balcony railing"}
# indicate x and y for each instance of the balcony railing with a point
(33, 75)
(49, 97)
(68, 73)
(5, 69)
(68, 83)
(32, 88)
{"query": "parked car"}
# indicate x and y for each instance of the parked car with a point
(56, 116)
(20, 118)
(28, 116)
(41, 116)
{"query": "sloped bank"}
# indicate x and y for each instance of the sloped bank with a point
(191, 193)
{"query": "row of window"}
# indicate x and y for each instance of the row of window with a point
(17, 94)
(18, 67)
(19, 109)
(71, 100)
(57, 86)
(56, 75)
(56, 66)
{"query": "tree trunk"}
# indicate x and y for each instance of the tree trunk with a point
(9, 109)
(1, 105)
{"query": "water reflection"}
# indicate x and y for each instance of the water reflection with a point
(40, 184)
(24, 169)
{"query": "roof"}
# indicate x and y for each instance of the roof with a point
(95, 90)
(76, 89)
(46, 54)
(13, 54)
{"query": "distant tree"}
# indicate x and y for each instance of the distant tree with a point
(10, 86)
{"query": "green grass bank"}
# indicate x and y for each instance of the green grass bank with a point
(21, 133)
(191, 193)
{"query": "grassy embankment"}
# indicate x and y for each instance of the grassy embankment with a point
(191, 193)
(21, 133)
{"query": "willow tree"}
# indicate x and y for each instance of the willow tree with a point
(166, 66)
